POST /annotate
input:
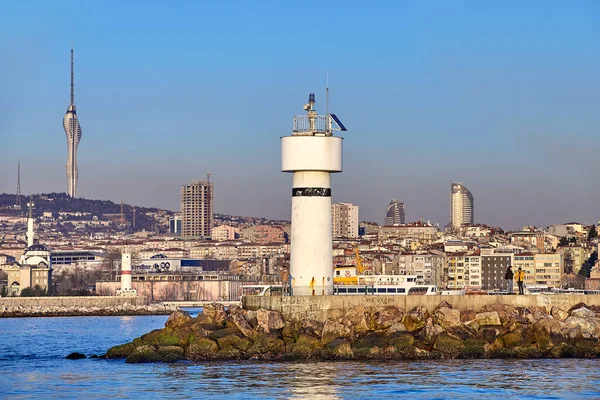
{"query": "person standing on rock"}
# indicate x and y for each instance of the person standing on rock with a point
(520, 277)
(509, 279)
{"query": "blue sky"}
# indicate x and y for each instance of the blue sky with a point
(503, 96)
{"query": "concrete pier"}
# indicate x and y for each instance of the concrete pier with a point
(321, 308)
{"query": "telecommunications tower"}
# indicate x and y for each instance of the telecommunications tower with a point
(73, 131)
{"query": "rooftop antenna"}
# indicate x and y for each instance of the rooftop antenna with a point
(327, 118)
(208, 177)
(18, 202)
(72, 75)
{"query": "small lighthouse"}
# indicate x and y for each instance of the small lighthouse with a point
(126, 289)
(312, 153)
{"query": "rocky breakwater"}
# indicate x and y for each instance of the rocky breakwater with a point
(495, 331)
(59, 311)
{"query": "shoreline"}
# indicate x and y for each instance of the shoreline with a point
(110, 311)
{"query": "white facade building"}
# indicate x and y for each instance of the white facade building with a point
(462, 206)
(344, 220)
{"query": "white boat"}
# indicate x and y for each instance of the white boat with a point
(347, 282)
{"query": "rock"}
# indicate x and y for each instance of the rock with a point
(312, 327)
(397, 327)
(216, 312)
(241, 324)
(202, 349)
(386, 317)
(76, 356)
(267, 346)
(467, 315)
(372, 339)
(446, 317)
(234, 341)
(269, 321)
(120, 351)
(549, 329)
(333, 330)
(488, 318)
(165, 350)
(171, 354)
(561, 350)
(305, 348)
(583, 312)
(216, 335)
(229, 353)
(250, 316)
(415, 320)
(430, 332)
(160, 337)
(340, 349)
(177, 319)
(587, 348)
(444, 304)
(578, 327)
(578, 306)
(290, 332)
(473, 349)
(144, 354)
(448, 346)
(559, 314)
(513, 339)
(507, 308)
(400, 340)
(357, 317)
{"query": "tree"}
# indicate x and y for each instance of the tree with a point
(593, 233)
(588, 265)
(27, 292)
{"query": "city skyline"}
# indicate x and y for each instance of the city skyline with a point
(512, 114)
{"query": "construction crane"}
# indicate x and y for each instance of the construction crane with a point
(359, 266)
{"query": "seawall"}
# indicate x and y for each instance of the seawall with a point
(321, 308)
(80, 306)
(72, 301)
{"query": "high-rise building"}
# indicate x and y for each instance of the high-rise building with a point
(175, 225)
(344, 220)
(461, 205)
(197, 209)
(73, 131)
(394, 215)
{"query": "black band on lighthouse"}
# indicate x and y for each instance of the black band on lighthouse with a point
(310, 192)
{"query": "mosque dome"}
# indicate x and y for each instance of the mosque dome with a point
(37, 247)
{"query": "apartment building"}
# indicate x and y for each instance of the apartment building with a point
(344, 220)
(197, 209)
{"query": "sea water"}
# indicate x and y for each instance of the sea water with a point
(32, 365)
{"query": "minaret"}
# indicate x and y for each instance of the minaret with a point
(73, 131)
(30, 233)
(312, 153)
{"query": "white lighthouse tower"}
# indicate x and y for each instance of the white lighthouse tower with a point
(126, 289)
(312, 153)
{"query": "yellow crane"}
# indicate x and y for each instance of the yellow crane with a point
(359, 266)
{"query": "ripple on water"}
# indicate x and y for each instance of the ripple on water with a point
(33, 365)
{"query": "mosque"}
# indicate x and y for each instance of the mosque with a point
(34, 267)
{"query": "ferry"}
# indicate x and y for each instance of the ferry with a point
(346, 281)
